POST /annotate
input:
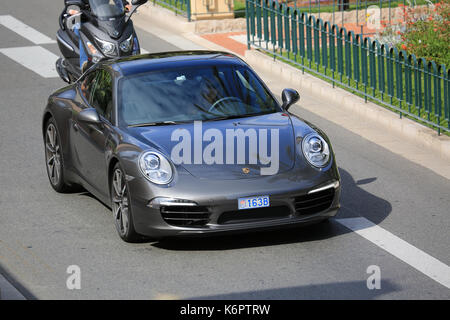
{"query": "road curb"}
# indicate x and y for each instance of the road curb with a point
(166, 17)
(352, 104)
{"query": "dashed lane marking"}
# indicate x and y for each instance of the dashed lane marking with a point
(24, 30)
(35, 58)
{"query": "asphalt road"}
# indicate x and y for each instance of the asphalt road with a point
(42, 232)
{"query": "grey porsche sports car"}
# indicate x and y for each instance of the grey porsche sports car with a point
(188, 143)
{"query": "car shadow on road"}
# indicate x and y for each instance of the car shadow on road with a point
(347, 290)
(5, 295)
(355, 201)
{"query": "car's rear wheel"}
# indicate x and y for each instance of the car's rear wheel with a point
(54, 158)
(121, 208)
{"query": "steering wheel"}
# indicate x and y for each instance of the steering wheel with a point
(222, 100)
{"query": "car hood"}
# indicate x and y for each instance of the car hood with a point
(276, 128)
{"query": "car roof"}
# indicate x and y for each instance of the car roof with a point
(158, 61)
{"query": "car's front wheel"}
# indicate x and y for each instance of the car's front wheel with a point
(120, 204)
(54, 158)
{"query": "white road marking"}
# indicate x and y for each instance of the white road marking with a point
(24, 30)
(423, 262)
(35, 58)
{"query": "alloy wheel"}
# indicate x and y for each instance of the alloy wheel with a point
(53, 154)
(120, 201)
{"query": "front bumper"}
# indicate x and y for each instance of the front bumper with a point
(219, 198)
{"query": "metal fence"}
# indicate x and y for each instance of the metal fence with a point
(336, 7)
(336, 10)
(181, 7)
(407, 84)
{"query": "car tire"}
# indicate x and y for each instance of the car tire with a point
(54, 158)
(120, 205)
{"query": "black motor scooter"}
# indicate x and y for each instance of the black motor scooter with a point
(106, 32)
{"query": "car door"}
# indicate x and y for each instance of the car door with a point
(90, 140)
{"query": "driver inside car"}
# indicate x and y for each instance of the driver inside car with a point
(77, 27)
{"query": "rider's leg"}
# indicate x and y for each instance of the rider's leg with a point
(83, 55)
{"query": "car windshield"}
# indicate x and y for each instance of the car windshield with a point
(105, 9)
(185, 95)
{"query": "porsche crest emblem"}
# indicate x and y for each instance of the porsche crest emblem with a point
(246, 170)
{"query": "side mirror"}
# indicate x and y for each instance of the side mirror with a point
(289, 97)
(138, 2)
(89, 115)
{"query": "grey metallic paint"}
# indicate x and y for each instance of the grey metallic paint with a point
(90, 151)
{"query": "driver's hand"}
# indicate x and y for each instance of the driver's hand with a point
(72, 12)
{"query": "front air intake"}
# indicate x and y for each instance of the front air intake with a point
(184, 216)
(254, 215)
(314, 202)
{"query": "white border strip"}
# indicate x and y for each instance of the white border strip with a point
(423, 262)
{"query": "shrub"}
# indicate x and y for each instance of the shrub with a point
(426, 33)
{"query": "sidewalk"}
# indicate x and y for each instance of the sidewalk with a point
(233, 41)
(377, 129)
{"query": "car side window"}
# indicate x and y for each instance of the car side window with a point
(102, 94)
(88, 84)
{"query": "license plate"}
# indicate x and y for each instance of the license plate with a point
(253, 202)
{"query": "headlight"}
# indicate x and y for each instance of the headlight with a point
(106, 47)
(96, 55)
(316, 150)
(126, 45)
(155, 167)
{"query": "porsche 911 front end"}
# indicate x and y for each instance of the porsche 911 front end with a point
(211, 207)
(189, 198)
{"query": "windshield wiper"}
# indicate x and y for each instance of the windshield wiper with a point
(235, 116)
(160, 123)
(168, 123)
